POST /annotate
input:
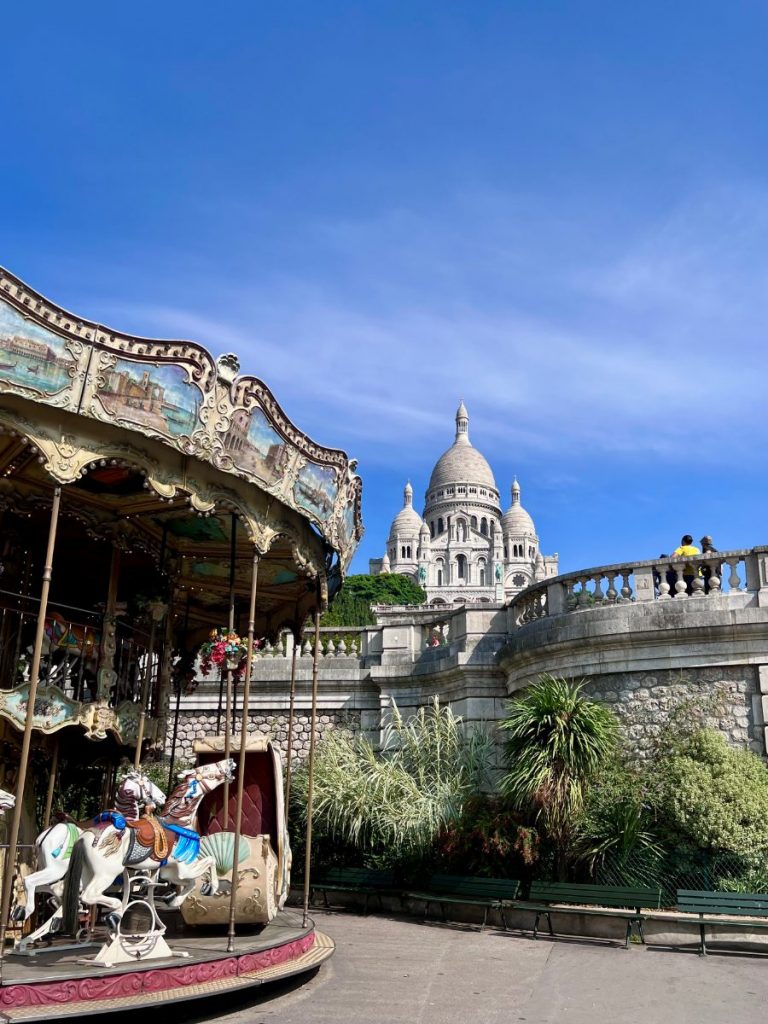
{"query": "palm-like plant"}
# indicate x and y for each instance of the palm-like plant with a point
(399, 797)
(558, 739)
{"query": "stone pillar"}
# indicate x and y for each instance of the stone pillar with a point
(644, 588)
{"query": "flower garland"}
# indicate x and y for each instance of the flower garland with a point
(223, 646)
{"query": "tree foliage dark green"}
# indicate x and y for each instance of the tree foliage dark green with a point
(352, 605)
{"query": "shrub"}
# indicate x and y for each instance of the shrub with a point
(713, 795)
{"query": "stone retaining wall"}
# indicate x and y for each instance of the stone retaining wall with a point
(195, 725)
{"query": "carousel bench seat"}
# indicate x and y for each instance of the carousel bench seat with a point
(488, 893)
(365, 882)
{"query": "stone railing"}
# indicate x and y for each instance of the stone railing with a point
(335, 642)
(661, 579)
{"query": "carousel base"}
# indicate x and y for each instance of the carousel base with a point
(57, 984)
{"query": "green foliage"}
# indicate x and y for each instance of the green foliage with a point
(396, 800)
(616, 838)
(352, 604)
(713, 795)
(489, 839)
(558, 741)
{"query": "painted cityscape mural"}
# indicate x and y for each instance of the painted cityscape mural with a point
(31, 356)
(316, 489)
(160, 398)
(255, 446)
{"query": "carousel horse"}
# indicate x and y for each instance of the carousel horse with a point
(167, 846)
(7, 801)
(55, 844)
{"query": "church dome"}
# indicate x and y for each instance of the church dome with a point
(462, 463)
(516, 520)
(407, 521)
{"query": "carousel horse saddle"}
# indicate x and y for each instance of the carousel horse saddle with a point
(160, 839)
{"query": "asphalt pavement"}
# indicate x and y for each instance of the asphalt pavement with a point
(389, 970)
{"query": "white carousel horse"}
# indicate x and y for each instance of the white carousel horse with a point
(55, 844)
(7, 801)
(168, 845)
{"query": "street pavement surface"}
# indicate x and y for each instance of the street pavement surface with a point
(389, 970)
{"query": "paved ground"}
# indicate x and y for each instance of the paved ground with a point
(387, 971)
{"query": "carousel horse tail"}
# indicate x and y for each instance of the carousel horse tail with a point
(71, 898)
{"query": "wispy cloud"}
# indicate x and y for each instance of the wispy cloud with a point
(651, 345)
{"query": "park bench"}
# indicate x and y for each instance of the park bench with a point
(623, 902)
(489, 893)
(722, 909)
(365, 882)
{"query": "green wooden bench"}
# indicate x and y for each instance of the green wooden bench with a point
(594, 900)
(365, 882)
(489, 893)
(715, 909)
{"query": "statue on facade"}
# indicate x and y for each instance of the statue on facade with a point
(498, 572)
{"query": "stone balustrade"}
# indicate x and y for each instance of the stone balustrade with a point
(742, 572)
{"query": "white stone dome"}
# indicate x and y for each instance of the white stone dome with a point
(462, 463)
(407, 521)
(516, 520)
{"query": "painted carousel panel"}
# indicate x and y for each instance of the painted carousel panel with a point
(32, 357)
(159, 398)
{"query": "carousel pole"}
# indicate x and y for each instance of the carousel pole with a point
(243, 743)
(34, 676)
(291, 710)
(179, 686)
(51, 783)
(157, 610)
(311, 788)
(230, 673)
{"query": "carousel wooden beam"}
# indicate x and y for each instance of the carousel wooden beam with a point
(34, 678)
(311, 766)
(241, 759)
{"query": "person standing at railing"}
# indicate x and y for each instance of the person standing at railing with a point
(711, 568)
(687, 549)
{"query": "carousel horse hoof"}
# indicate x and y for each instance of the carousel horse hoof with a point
(56, 925)
(112, 920)
(19, 914)
(207, 889)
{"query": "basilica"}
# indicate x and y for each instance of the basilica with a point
(463, 548)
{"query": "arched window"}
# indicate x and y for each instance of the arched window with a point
(440, 526)
(506, 551)
(439, 566)
(473, 522)
(432, 528)
(482, 577)
(461, 567)
(408, 551)
(481, 571)
(531, 552)
(484, 526)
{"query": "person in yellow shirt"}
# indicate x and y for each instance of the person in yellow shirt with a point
(687, 549)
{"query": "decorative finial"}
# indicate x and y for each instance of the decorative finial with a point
(515, 492)
(408, 494)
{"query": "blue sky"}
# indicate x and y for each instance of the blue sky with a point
(555, 211)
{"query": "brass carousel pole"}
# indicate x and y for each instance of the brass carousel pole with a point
(291, 709)
(241, 760)
(311, 788)
(51, 783)
(34, 676)
(231, 627)
(158, 610)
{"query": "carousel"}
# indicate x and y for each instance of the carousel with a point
(158, 509)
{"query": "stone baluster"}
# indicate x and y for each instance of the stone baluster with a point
(598, 591)
(570, 596)
(715, 583)
(611, 594)
(678, 567)
(582, 598)
(626, 587)
(697, 586)
(338, 645)
(663, 569)
(306, 646)
(734, 580)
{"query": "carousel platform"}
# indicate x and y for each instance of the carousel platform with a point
(59, 984)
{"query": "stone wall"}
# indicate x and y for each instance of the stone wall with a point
(723, 696)
(195, 725)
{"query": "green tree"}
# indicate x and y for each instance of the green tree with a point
(352, 604)
(558, 741)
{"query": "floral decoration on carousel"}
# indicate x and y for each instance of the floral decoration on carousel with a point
(225, 650)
